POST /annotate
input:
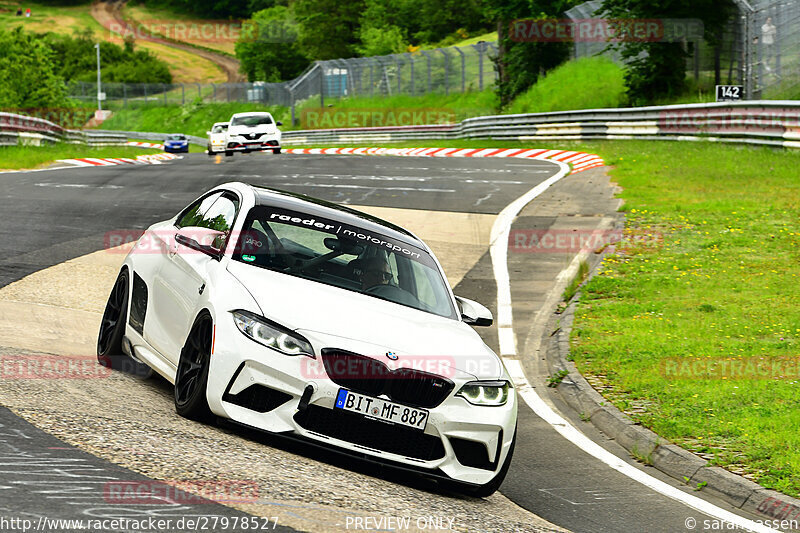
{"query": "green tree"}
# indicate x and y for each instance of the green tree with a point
(29, 78)
(267, 47)
(519, 64)
(328, 29)
(381, 41)
(75, 59)
(658, 69)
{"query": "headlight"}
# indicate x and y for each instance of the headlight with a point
(272, 335)
(485, 392)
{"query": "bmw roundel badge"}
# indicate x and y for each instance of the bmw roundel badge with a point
(393, 356)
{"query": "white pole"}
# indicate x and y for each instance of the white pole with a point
(99, 89)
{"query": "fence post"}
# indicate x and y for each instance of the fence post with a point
(463, 68)
(164, 88)
(446, 71)
(411, 60)
(371, 78)
(125, 95)
(145, 92)
(399, 81)
(183, 94)
(199, 92)
(428, 57)
(479, 48)
(291, 103)
(228, 91)
(490, 45)
(321, 85)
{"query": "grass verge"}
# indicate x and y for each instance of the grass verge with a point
(397, 110)
(192, 119)
(26, 157)
(586, 83)
(692, 327)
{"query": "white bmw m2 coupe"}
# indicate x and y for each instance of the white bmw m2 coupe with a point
(301, 317)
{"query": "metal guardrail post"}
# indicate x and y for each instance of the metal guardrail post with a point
(164, 88)
(199, 92)
(125, 96)
(145, 93)
(183, 94)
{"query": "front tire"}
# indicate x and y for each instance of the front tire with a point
(112, 327)
(228, 153)
(276, 150)
(191, 378)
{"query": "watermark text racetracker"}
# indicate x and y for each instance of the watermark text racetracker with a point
(575, 240)
(731, 368)
(394, 366)
(601, 30)
(183, 492)
(210, 31)
(327, 118)
(35, 366)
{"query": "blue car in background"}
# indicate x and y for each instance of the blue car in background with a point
(176, 142)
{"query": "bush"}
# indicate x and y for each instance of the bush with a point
(77, 60)
(29, 79)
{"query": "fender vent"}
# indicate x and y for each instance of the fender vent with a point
(258, 398)
(474, 454)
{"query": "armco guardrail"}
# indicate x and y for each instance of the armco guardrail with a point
(151, 136)
(16, 128)
(764, 122)
(768, 122)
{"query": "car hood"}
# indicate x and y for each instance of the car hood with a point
(263, 128)
(338, 318)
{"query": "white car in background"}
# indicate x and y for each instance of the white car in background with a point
(217, 137)
(300, 317)
(250, 132)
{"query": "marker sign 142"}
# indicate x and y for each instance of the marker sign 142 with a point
(726, 93)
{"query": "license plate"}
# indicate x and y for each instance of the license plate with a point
(381, 409)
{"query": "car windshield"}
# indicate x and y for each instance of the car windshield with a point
(176, 137)
(344, 256)
(219, 128)
(251, 120)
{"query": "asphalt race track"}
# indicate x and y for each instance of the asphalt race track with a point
(55, 216)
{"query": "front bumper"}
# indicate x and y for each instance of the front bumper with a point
(253, 146)
(177, 148)
(262, 388)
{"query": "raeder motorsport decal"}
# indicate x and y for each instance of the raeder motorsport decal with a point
(346, 231)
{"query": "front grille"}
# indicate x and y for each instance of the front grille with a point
(257, 398)
(252, 136)
(355, 429)
(369, 376)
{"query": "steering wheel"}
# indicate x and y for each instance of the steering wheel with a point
(393, 293)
